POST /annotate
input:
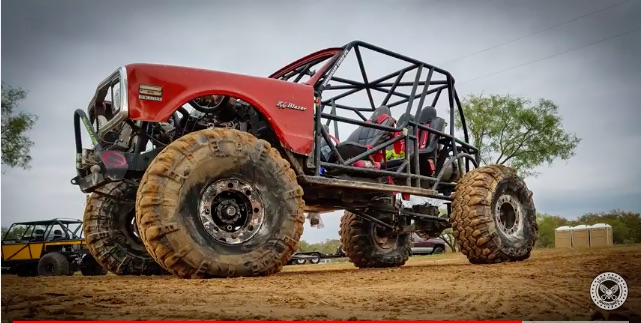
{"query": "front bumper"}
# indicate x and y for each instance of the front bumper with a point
(108, 165)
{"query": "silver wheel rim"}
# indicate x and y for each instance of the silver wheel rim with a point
(134, 228)
(509, 217)
(383, 238)
(231, 211)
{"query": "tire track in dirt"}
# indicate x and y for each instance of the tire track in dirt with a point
(552, 285)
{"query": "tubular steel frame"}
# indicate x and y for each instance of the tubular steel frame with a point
(420, 89)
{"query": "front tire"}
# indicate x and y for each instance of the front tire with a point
(493, 217)
(220, 203)
(368, 245)
(111, 238)
(53, 264)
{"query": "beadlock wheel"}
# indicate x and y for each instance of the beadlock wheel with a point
(231, 211)
(493, 216)
(220, 203)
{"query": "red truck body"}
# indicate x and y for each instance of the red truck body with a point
(182, 84)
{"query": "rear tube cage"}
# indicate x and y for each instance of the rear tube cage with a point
(460, 149)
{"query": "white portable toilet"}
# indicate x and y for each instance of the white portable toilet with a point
(563, 237)
(601, 235)
(580, 236)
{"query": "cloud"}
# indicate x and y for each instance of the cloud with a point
(60, 50)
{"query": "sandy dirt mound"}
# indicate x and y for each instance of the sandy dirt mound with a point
(552, 285)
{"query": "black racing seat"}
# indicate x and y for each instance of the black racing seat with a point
(403, 122)
(38, 235)
(364, 138)
(57, 235)
(428, 142)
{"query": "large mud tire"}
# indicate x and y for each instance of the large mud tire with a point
(53, 264)
(111, 240)
(90, 267)
(361, 247)
(493, 216)
(169, 206)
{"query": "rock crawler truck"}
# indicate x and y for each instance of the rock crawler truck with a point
(201, 173)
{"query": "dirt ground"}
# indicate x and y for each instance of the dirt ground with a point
(552, 285)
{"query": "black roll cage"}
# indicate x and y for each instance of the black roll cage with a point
(420, 89)
(49, 224)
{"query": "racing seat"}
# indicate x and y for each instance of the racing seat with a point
(364, 138)
(38, 235)
(428, 142)
(57, 235)
(403, 122)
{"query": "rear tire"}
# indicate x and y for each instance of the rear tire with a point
(438, 250)
(90, 267)
(111, 238)
(365, 250)
(53, 264)
(220, 203)
(493, 216)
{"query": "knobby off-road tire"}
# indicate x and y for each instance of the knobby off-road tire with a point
(53, 264)
(493, 216)
(359, 240)
(90, 267)
(111, 239)
(195, 170)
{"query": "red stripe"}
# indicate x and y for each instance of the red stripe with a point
(262, 321)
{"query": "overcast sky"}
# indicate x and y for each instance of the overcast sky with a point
(60, 50)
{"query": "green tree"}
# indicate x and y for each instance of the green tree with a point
(16, 232)
(626, 226)
(547, 227)
(512, 131)
(448, 235)
(16, 145)
(329, 246)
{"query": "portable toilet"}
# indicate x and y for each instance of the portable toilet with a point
(600, 235)
(580, 236)
(563, 237)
